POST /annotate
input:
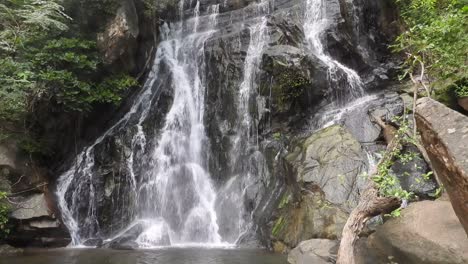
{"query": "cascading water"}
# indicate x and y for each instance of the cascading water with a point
(345, 82)
(164, 188)
(175, 196)
(171, 195)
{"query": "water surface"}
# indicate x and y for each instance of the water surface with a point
(160, 256)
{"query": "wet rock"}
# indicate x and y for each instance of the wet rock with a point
(311, 217)
(428, 232)
(333, 160)
(357, 120)
(126, 240)
(413, 173)
(9, 250)
(295, 79)
(93, 242)
(127, 245)
(118, 42)
(444, 134)
(315, 251)
(35, 224)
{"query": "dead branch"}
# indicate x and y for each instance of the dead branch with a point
(371, 204)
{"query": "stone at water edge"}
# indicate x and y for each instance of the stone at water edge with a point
(314, 251)
(312, 217)
(444, 134)
(427, 232)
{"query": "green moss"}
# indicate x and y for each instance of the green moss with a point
(284, 201)
(290, 85)
(279, 224)
(446, 96)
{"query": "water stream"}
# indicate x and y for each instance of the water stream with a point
(165, 189)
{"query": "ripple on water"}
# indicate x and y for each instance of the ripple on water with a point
(159, 256)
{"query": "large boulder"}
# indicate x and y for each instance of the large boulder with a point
(317, 251)
(34, 223)
(444, 134)
(32, 219)
(333, 160)
(428, 232)
(311, 217)
(294, 79)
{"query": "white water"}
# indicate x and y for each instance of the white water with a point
(177, 189)
(170, 192)
(345, 83)
(176, 165)
(173, 197)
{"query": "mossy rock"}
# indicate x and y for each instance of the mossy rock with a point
(289, 76)
(312, 217)
(333, 160)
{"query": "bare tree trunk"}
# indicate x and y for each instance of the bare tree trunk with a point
(370, 204)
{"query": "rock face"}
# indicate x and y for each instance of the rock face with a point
(118, 42)
(33, 217)
(312, 217)
(333, 160)
(35, 225)
(444, 134)
(316, 251)
(428, 232)
(327, 167)
(413, 173)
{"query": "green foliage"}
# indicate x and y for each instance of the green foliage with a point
(438, 192)
(395, 213)
(277, 136)
(461, 87)
(437, 36)
(153, 8)
(21, 20)
(42, 66)
(387, 182)
(4, 212)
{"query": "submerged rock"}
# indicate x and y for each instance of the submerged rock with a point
(9, 250)
(316, 251)
(427, 232)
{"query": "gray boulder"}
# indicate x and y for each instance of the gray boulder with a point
(30, 207)
(444, 134)
(311, 217)
(333, 160)
(317, 251)
(428, 232)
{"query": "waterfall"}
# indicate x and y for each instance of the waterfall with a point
(157, 180)
(174, 196)
(345, 83)
(246, 140)
(167, 189)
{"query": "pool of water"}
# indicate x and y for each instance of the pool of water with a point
(160, 256)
